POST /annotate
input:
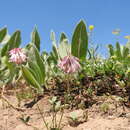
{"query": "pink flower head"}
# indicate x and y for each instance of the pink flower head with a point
(17, 56)
(69, 64)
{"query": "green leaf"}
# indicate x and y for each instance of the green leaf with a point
(6, 39)
(14, 42)
(36, 38)
(3, 33)
(53, 57)
(57, 106)
(125, 52)
(62, 37)
(80, 41)
(111, 50)
(30, 77)
(4, 50)
(37, 72)
(118, 51)
(27, 119)
(52, 36)
(54, 99)
(39, 62)
(54, 54)
(64, 48)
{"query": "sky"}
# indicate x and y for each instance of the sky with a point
(63, 15)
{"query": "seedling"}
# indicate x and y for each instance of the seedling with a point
(73, 119)
(56, 106)
(104, 107)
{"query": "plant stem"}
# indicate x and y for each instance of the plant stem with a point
(68, 84)
(60, 119)
(53, 117)
(42, 117)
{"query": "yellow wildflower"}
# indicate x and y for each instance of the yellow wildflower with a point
(127, 37)
(91, 27)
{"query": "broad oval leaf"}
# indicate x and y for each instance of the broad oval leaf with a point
(79, 45)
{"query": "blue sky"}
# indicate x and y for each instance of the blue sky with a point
(63, 15)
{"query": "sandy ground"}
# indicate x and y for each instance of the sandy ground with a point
(116, 118)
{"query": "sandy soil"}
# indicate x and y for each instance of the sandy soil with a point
(116, 117)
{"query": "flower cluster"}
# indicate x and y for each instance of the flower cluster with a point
(17, 56)
(69, 64)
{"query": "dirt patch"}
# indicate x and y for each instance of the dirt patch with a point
(106, 114)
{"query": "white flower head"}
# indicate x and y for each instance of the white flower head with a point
(17, 56)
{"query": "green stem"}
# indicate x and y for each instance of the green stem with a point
(60, 119)
(53, 115)
(42, 117)
(68, 84)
